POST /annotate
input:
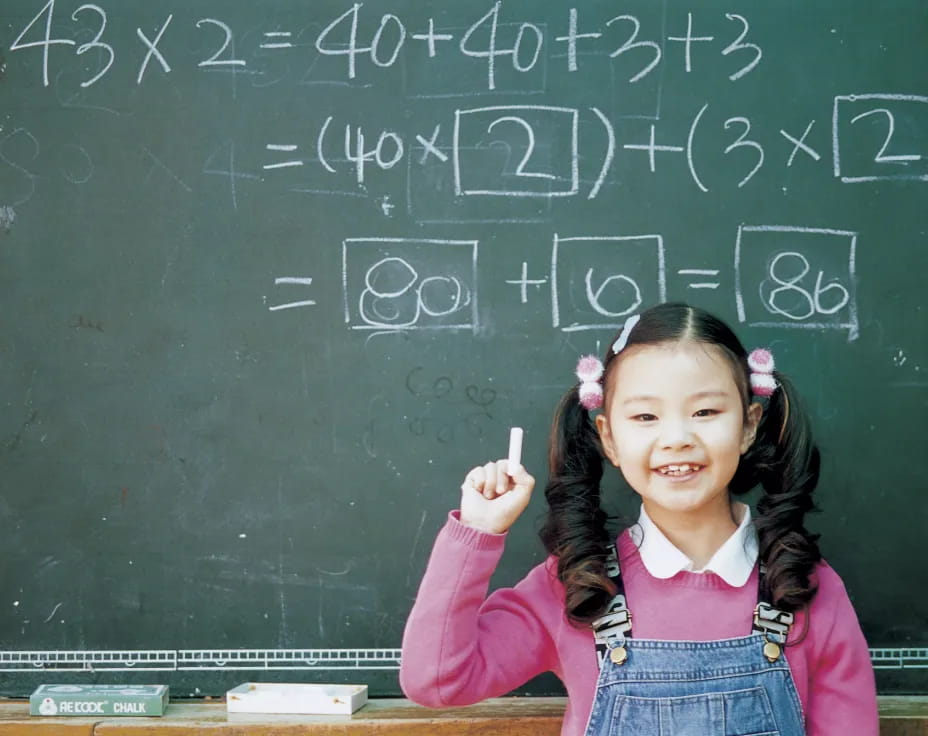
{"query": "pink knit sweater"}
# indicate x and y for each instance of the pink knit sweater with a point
(461, 646)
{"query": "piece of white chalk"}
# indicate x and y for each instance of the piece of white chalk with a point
(515, 447)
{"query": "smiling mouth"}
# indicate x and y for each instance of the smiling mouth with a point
(676, 471)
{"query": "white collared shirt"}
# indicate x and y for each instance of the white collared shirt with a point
(733, 561)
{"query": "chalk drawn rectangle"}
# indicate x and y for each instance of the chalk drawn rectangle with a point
(392, 284)
(598, 281)
(507, 138)
(796, 277)
(880, 137)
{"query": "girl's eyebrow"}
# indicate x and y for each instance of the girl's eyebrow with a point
(641, 397)
(710, 394)
(697, 396)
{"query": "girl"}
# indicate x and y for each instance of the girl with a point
(701, 619)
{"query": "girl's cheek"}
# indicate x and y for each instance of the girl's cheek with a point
(632, 439)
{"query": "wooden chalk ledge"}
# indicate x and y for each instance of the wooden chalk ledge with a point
(899, 716)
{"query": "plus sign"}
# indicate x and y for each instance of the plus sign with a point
(571, 39)
(651, 148)
(689, 38)
(525, 282)
(432, 37)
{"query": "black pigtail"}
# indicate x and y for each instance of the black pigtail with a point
(786, 463)
(575, 528)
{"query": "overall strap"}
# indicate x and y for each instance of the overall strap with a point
(770, 622)
(612, 628)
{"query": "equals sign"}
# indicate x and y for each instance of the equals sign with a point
(293, 305)
(274, 43)
(701, 272)
(282, 164)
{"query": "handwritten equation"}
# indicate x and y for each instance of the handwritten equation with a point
(449, 171)
(783, 276)
(537, 151)
(506, 150)
(509, 159)
(492, 40)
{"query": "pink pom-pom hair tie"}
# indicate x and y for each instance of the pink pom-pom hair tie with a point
(760, 361)
(590, 372)
(590, 369)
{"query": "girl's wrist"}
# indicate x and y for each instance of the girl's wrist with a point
(477, 525)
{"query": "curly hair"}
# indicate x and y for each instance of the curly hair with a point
(783, 460)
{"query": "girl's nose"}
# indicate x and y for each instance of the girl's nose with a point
(675, 434)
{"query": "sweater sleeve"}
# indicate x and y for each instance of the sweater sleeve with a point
(842, 694)
(460, 647)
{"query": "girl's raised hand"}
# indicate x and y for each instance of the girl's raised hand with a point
(492, 499)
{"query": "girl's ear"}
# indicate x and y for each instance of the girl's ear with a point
(605, 439)
(754, 413)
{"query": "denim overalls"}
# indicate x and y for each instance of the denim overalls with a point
(730, 687)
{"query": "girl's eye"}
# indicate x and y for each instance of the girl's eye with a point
(644, 417)
(706, 412)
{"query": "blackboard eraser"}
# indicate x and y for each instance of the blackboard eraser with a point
(293, 698)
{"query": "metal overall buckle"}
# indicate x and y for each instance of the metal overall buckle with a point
(613, 626)
(774, 625)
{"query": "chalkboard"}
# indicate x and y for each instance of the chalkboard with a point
(275, 275)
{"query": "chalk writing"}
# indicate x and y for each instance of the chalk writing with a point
(299, 281)
(525, 152)
(471, 130)
(490, 39)
(228, 42)
(807, 277)
(867, 123)
(399, 284)
(785, 276)
(597, 281)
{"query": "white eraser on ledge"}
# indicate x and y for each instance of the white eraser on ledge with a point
(273, 697)
(515, 446)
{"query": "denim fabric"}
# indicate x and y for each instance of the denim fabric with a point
(685, 688)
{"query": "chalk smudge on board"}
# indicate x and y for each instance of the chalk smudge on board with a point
(7, 218)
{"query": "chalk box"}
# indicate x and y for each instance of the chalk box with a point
(99, 700)
(315, 699)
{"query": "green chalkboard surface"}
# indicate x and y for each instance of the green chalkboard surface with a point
(275, 274)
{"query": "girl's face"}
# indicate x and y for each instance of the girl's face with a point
(675, 425)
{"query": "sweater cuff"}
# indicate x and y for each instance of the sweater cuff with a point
(476, 539)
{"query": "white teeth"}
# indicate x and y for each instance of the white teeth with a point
(678, 469)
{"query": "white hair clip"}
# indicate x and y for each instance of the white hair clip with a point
(622, 339)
